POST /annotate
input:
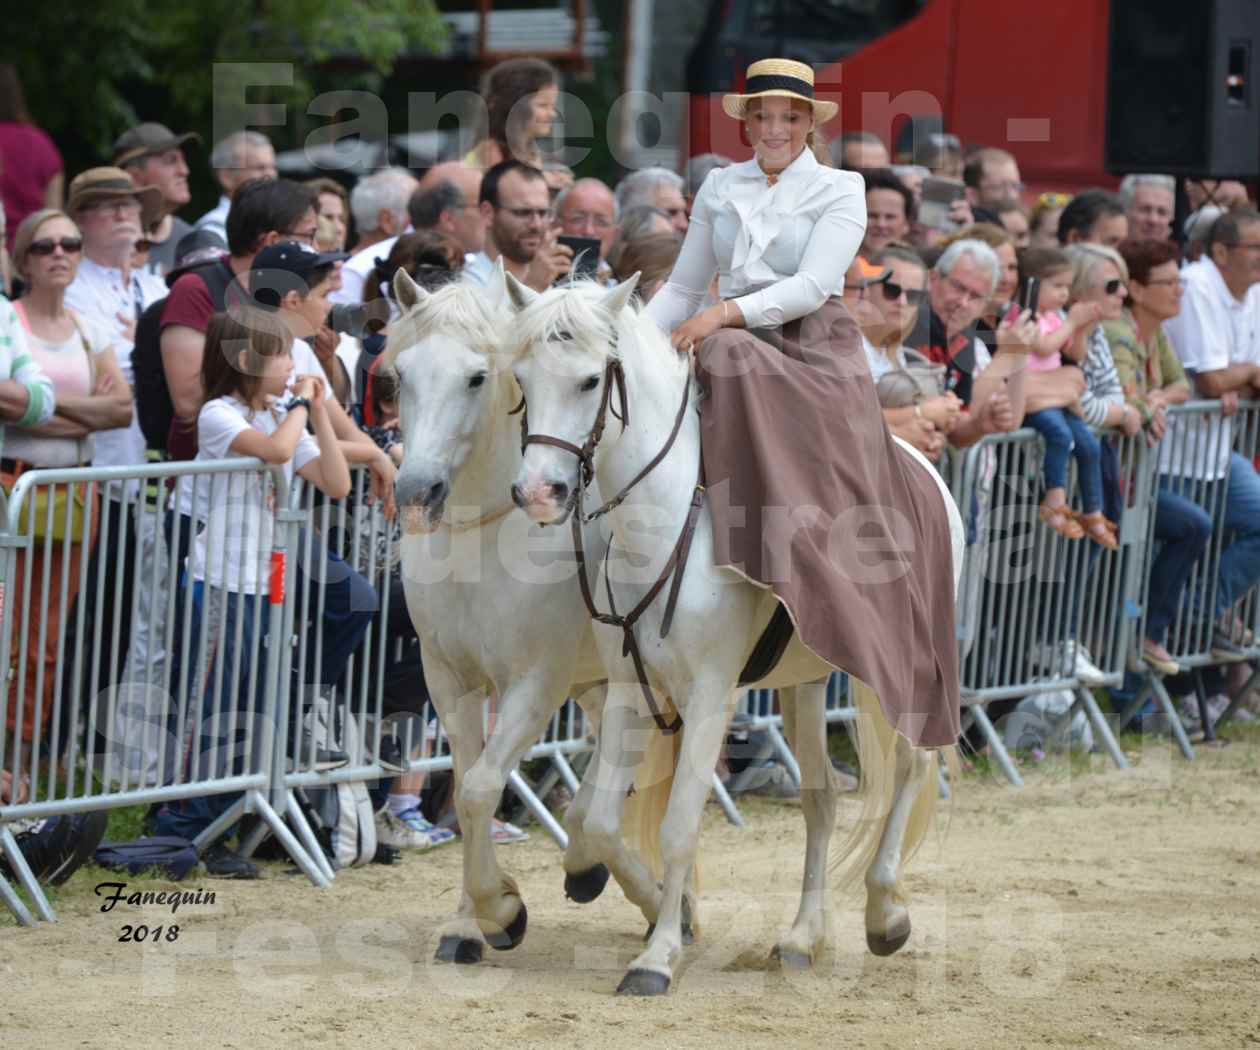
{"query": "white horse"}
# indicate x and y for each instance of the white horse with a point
(568, 345)
(495, 610)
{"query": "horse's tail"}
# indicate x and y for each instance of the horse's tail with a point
(877, 744)
(646, 807)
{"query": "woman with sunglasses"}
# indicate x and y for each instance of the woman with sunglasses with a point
(898, 297)
(76, 353)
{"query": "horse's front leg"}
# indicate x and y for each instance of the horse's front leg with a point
(522, 714)
(887, 917)
(460, 938)
(596, 846)
(707, 711)
(805, 722)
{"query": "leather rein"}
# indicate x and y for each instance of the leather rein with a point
(677, 563)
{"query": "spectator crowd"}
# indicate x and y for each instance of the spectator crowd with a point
(133, 330)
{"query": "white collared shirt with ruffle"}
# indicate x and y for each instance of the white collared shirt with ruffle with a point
(780, 251)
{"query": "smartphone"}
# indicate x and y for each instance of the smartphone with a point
(936, 196)
(585, 254)
(1029, 291)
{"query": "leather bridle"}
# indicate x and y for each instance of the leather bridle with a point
(674, 568)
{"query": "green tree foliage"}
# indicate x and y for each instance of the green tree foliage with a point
(94, 68)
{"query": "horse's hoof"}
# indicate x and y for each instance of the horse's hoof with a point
(790, 959)
(513, 935)
(586, 885)
(643, 982)
(888, 943)
(688, 935)
(461, 950)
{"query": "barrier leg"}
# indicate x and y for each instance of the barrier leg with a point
(566, 773)
(1210, 739)
(25, 879)
(221, 824)
(291, 845)
(727, 803)
(307, 835)
(1137, 703)
(1086, 699)
(1174, 718)
(996, 748)
(785, 754)
(534, 804)
(20, 911)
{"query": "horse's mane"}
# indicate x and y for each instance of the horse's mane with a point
(459, 310)
(573, 314)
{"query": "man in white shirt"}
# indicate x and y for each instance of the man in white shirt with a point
(1217, 337)
(242, 156)
(378, 203)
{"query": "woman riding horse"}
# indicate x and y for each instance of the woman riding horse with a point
(808, 491)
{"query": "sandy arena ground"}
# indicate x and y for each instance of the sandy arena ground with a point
(1092, 908)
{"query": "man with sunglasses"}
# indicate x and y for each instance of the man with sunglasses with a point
(516, 206)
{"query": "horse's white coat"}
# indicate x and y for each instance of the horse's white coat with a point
(563, 341)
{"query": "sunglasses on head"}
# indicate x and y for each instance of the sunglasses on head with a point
(892, 292)
(47, 245)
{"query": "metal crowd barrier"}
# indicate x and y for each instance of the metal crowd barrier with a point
(105, 705)
(1199, 454)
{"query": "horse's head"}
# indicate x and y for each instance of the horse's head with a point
(445, 351)
(565, 355)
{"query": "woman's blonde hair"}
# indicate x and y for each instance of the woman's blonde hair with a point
(26, 234)
(1085, 259)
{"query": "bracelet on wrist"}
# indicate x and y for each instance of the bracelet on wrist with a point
(298, 402)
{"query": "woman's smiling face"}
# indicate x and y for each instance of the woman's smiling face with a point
(777, 129)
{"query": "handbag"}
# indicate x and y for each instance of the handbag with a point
(919, 380)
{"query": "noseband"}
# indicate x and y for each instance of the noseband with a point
(614, 376)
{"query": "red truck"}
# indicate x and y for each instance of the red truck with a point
(1030, 78)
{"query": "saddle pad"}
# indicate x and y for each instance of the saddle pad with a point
(770, 647)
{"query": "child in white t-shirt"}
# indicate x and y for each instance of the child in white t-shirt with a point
(248, 358)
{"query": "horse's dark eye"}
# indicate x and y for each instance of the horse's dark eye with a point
(476, 380)
(589, 384)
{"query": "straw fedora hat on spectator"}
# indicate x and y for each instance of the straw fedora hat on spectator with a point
(783, 78)
(98, 183)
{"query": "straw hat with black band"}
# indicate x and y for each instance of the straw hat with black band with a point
(102, 183)
(782, 78)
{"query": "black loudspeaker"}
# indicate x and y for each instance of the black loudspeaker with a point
(1180, 97)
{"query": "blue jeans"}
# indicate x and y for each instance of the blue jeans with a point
(1182, 529)
(1240, 562)
(1066, 433)
(223, 683)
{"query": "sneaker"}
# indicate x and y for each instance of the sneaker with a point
(501, 833)
(1070, 659)
(416, 821)
(393, 832)
(1216, 705)
(223, 863)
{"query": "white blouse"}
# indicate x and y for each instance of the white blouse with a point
(780, 250)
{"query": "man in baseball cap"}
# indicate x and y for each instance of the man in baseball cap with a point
(153, 155)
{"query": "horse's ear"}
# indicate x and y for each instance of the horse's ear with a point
(615, 301)
(496, 286)
(521, 295)
(406, 291)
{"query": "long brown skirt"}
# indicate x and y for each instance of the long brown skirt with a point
(811, 496)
